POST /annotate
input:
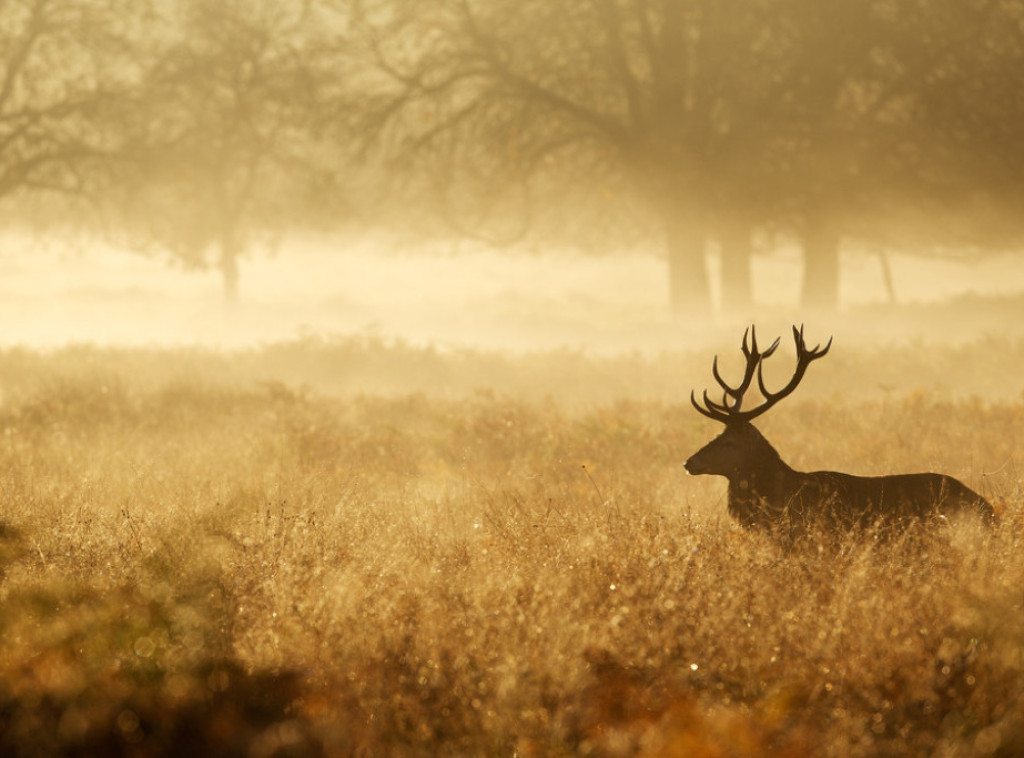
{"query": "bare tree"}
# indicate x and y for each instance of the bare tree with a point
(700, 119)
(218, 152)
(968, 107)
(903, 131)
(651, 105)
(61, 73)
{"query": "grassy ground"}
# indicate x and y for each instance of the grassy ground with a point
(256, 554)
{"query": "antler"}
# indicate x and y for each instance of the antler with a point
(726, 409)
(728, 412)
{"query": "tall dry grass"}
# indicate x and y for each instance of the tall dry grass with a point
(197, 554)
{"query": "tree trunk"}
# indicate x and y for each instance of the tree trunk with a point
(687, 269)
(821, 267)
(737, 293)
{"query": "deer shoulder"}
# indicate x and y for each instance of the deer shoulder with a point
(766, 493)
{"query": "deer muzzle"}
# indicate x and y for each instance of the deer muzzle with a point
(695, 465)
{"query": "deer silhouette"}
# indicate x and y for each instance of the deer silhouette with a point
(766, 494)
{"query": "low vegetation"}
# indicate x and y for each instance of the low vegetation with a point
(226, 552)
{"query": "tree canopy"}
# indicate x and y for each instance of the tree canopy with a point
(849, 121)
(206, 126)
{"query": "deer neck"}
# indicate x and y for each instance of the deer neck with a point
(765, 477)
(758, 498)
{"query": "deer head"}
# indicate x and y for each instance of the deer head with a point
(740, 452)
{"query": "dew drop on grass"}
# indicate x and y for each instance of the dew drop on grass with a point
(144, 647)
(127, 722)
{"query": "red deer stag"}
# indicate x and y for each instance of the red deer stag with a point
(766, 494)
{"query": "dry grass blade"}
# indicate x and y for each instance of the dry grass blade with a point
(266, 571)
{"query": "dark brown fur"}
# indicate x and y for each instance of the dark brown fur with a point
(766, 494)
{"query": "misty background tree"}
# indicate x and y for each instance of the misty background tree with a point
(966, 101)
(699, 119)
(209, 128)
(62, 78)
(699, 113)
(900, 155)
(650, 103)
(218, 155)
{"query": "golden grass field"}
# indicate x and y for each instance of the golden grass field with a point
(345, 548)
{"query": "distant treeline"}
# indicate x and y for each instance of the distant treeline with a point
(209, 127)
(984, 371)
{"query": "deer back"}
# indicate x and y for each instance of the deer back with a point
(765, 493)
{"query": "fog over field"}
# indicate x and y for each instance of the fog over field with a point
(378, 378)
(63, 292)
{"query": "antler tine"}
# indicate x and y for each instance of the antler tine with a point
(722, 407)
(711, 409)
(705, 411)
(728, 410)
(736, 393)
(754, 358)
(803, 360)
(729, 391)
(752, 351)
(714, 372)
(801, 348)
